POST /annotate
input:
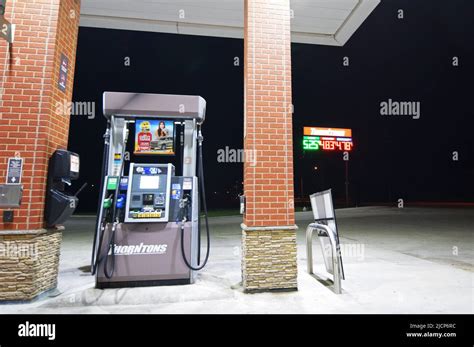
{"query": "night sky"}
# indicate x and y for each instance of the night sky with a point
(394, 156)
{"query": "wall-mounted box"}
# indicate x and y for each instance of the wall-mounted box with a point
(10, 195)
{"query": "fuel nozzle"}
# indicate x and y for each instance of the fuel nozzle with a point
(120, 207)
(184, 204)
(121, 201)
(107, 203)
(200, 137)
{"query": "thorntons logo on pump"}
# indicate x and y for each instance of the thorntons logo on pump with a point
(139, 249)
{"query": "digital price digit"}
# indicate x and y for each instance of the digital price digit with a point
(311, 143)
(314, 143)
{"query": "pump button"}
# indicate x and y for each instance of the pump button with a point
(112, 183)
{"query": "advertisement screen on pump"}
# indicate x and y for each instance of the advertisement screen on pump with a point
(154, 137)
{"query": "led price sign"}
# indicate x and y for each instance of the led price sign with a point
(327, 139)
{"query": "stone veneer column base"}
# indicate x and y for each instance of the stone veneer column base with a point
(269, 259)
(29, 263)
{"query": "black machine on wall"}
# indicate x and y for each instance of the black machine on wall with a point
(148, 223)
(63, 169)
(3, 4)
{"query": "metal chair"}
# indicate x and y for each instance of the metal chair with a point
(326, 226)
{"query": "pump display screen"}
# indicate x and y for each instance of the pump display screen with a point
(154, 137)
(149, 182)
(148, 192)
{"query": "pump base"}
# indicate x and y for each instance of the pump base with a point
(132, 284)
(147, 254)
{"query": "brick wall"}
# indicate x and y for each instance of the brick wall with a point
(268, 235)
(29, 124)
(268, 181)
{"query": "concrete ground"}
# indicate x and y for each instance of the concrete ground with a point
(411, 260)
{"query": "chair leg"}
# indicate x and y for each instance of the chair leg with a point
(309, 249)
(337, 274)
(336, 266)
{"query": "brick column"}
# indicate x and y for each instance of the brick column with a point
(31, 127)
(269, 237)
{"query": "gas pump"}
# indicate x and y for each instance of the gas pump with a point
(148, 223)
